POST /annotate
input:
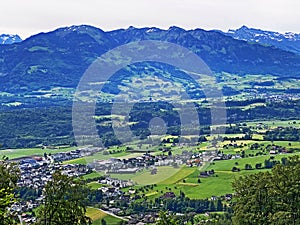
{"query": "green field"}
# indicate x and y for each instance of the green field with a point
(18, 153)
(93, 175)
(226, 165)
(97, 215)
(286, 144)
(97, 156)
(95, 185)
(186, 179)
(178, 176)
(144, 177)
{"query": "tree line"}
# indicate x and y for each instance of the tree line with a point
(32, 127)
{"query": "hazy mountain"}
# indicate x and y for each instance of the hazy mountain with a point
(9, 39)
(59, 58)
(288, 41)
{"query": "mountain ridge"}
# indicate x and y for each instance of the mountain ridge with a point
(60, 57)
(288, 41)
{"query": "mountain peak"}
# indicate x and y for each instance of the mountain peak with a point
(9, 39)
(177, 29)
(79, 28)
(244, 27)
(144, 29)
(288, 41)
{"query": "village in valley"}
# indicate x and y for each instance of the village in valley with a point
(193, 126)
(124, 176)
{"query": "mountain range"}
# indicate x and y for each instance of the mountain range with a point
(288, 41)
(60, 57)
(6, 39)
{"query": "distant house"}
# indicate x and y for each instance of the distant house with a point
(204, 174)
(228, 197)
(154, 171)
(213, 198)
(169, 195)
(37, 158)
(127, 171)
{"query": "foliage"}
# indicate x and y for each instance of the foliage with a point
(9, 174)
(65, 202)
(53, 125)
(164, 219)
(270, 197)
(27, 193)
(34, 127)
(283, 134)
(216, 219)
(179, 204)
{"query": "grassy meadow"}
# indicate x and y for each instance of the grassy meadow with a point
(19, 153)
(97, 215)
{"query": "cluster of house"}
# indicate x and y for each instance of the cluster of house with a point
(222, 156)
(35, 172)
(116, 182)
(226, 197)
(280, 97)
(275, 149)
(21, 208)
(135, 164)
(114, 165)
(113, 186)
(143, 219)
(195, 159)
(79, 153)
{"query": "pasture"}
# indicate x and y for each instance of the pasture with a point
(97, 215)
(19, 153)
(186, 179)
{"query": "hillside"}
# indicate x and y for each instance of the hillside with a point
(59, 58)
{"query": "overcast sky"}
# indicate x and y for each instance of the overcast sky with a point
(28, 17)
